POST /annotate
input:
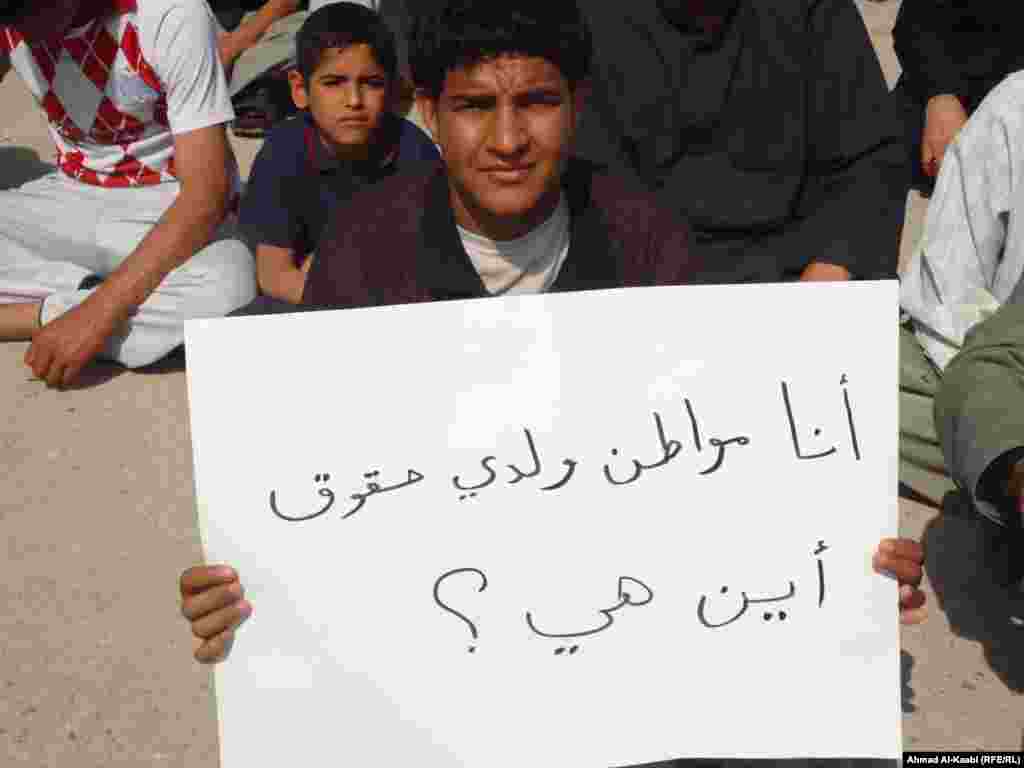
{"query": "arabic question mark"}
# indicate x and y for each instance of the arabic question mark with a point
(449, 609)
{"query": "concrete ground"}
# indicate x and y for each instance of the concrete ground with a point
(98, 516)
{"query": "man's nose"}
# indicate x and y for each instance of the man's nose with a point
(353, 95)
(511, 134)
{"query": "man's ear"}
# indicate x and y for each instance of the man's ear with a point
(298, 85)
(427, 105)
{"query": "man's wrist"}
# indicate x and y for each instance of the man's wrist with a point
(108, 302)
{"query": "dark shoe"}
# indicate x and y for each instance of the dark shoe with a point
(263, 104)
(89, 282)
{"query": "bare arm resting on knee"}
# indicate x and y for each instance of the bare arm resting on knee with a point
(62, 348)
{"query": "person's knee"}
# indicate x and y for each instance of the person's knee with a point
(226, 272)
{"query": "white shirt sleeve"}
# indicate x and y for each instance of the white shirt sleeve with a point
(184, 55)
(971, 255)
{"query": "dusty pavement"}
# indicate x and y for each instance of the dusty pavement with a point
(98, 518)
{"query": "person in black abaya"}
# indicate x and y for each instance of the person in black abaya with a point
(767, 123)
(953, 52)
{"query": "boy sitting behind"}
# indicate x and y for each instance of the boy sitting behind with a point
(346, 138)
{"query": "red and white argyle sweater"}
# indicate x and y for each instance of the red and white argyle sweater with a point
(106, 107)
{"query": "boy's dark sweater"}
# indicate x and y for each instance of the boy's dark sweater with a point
(397, 243)
(295, 182)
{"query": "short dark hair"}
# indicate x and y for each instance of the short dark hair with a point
(340, 25)
(13, 11)
(466, 32)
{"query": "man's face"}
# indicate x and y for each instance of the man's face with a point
(505, 127)
(48, 20)
(347, 94)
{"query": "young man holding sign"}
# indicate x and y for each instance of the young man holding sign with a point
(501, 86)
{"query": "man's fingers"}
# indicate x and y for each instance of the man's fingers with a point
(201, 577)
(215, 649)
(929, 160)
(213, 599)
(55, 374)
(220, 621)
(911, 597)
(915, 616)
(926, 153)
(41, 361)
(912, 605)
(71, 372)
(903, 570)
(907, 549)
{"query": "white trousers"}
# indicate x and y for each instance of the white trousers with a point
(55, 231)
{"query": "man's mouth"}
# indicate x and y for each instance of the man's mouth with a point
(510, 173)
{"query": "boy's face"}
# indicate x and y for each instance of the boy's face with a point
(505, 127)
(47, 20)
(347, 94)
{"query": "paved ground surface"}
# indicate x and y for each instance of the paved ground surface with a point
(98, 518)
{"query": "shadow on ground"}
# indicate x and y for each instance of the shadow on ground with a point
(906, 672)
(100, 371)
(974, 567)
(19, 165)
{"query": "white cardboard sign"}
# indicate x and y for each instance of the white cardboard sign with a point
(587, 529)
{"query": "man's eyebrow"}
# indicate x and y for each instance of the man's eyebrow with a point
(470, 92)
(542, 88)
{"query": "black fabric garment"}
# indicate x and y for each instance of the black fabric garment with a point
(959, 47)
(776, 137)
(962, 47)
(395, 13)
(707, 17)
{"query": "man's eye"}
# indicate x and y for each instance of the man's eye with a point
(545, 100)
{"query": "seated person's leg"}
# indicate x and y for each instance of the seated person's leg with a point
(47, 242)
(979, 416)
(214, 282)
(922, 467)
(96, 229)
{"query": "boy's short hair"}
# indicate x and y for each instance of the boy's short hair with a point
(467, 32)
(340, 25)
(13, 11)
